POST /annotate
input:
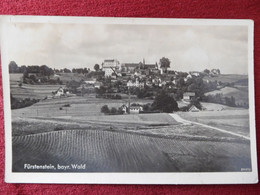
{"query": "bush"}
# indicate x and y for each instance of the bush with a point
(22, 103)
(105, 109)
(58, 128)
(113, 110)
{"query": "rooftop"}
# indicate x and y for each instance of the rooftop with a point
(189, 94)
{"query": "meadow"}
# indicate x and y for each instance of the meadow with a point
(228, 78)
(29, 91)
(234, 120)
(239, 93)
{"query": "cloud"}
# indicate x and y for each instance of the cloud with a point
(83, 45)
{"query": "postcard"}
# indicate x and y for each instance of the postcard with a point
(128, 100)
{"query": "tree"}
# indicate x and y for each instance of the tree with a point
(96, 67)
(165, 63)
(23, 69)
(164, 103)
(13, 67)
(113, 110)
(65, 70)
(73, 85)
(45, 70)
(105, 109)
(207, 71)
(25, 75)
(230, 101)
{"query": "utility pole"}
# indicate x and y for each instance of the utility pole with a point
(129, 100)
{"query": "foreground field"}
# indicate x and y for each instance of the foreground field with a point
(81, 134)
(106, 151)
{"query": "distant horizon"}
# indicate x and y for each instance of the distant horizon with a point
(189, 47)
(92, 69)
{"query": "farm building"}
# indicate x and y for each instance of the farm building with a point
(124, 108)
(60, 92)
(136, 109)
(193, 109)
(187, 96)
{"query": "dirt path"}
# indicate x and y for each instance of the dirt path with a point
(187, 122)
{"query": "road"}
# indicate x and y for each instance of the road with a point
(187, 122)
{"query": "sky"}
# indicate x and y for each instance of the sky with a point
(189, 48)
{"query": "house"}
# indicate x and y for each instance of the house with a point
(136, 109)
(135, 83)
(187, 96)
(60, 92)
(214, 72)
(56, 76)
(195, 73)
(162, 83)
(171, 72)
(124, 109)
(90, 82)
(189, 76)
(110, 67)
(98, 85)
(193, 109)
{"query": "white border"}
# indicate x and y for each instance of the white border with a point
(127, 178)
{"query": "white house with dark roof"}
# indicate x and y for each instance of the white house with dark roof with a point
(187, 96)
(136, 109)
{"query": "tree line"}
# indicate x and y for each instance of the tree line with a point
(45, 70)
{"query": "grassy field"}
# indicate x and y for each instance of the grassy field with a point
(88, 105)
(30, 91)
(240, 94)
(44, 133)
(228, 78)
(239, 91)
(231, 120)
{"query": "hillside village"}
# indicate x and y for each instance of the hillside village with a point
(178, 91)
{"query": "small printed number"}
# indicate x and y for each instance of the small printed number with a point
(245, 169)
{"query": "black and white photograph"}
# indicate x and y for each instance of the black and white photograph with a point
(132, 96)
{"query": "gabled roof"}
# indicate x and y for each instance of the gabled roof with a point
(150, 65)
(110, 60)
(193, 108)
(189, 94)
(130, 64)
